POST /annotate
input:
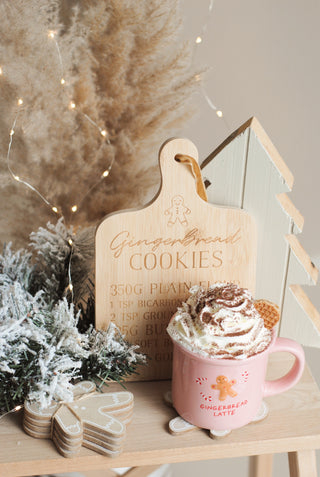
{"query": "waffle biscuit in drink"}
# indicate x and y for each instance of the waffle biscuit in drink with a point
(269, 312)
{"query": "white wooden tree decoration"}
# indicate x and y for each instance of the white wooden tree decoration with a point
(247, 172)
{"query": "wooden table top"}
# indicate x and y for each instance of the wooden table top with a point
(293, 424)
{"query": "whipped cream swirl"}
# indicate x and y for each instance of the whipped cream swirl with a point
(220, 322)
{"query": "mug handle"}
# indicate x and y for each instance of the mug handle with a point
(294, 374)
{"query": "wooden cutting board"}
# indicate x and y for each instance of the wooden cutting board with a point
(147, 259)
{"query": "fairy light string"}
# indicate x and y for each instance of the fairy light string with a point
(198, 41)
(12, 411)
(102, 177)
(199, 38)
(69, 288)
(16, 177)
(72, 106)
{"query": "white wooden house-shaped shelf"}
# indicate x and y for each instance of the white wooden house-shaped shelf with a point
(246, 171)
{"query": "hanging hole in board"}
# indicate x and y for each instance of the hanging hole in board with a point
(192, 162)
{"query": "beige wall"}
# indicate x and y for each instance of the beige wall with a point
(264, 61)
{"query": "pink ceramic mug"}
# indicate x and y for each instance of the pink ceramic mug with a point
(224, 394)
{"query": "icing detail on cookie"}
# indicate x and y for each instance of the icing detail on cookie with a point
(219, 434)
(178, 425)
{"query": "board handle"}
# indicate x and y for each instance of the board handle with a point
(179, 163)
(185, 159)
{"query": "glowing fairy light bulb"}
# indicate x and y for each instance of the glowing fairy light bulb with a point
(71, 105)
(219, 113)
(70, 241)
(198, 40)
(17, 408)
(70, 287)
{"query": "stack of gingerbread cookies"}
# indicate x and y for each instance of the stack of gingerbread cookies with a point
(94, 420)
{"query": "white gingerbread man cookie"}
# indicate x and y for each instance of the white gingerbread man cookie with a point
(94, 420)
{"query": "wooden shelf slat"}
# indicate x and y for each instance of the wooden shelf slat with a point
(293, 424)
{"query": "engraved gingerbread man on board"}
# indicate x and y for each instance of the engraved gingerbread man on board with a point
(177, 211)
(225, 387)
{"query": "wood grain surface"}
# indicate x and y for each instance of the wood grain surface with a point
(293, 424)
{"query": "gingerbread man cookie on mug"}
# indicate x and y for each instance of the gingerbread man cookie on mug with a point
(225, 387)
